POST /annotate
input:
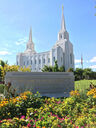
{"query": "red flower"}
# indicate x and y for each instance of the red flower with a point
(29, 125)
(59, 126)
(22, 117)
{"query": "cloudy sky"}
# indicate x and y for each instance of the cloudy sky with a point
(16, 17)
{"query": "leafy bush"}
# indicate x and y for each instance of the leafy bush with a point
(8, 68)
(86, 73)
(55, 68)
(1, 88)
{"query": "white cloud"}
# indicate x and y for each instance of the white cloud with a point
(5, 53)
(77, 66)
(87, 61)
(93, 66)
(93, 59)
(21, 41)
(77, 61)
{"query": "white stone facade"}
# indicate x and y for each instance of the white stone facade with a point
(62, 51)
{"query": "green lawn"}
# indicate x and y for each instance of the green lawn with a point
(1, 88)
(82, 85)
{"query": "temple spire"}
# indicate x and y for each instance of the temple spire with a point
(63, 26)
(30, 35)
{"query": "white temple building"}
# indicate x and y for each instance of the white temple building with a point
(62, 51)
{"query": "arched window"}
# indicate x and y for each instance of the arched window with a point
(27, 62)
(44, 60)
(39, 61)
(54, 58)
(31, 62)
(71, 58)
(48, 60)
(35, 61)
(61, 59)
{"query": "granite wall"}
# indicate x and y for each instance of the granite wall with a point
(52, 84)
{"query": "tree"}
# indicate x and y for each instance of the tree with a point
(87, 73)
(55, 68)
(62, 69)
(47, 69)
(78, 74)
(70, 70)
(2, 63)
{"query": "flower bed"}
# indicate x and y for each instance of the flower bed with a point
(33, 111)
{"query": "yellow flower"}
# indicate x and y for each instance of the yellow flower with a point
(24, 97)
(92, 92)
(9, 113)
(94, 96)
(74, 93)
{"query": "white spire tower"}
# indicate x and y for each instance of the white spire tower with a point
(63, 26)
(63, 34)
(30, 35)
(30, 44)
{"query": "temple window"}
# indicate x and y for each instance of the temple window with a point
(61, 59)
(35, 61)
(54, 59)
(39, 61)
(71, 58)
(48, 60)
(44, 61)
(31, 62)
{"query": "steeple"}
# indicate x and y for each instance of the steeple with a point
(30, 35)
(63, 34)
(30, 44)
(63, 26)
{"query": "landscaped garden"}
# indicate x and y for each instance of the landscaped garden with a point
(32, 111)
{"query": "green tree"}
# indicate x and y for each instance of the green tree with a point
(62, 69)
(87, 73)
(2, 63)
(47, 69)
(78, 74)
(70, 70)
(55, 68)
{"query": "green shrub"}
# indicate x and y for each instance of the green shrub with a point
(1, 88)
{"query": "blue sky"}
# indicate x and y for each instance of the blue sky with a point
(16, 17)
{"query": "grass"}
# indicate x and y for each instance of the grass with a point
(82, 85)
(1, 88)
